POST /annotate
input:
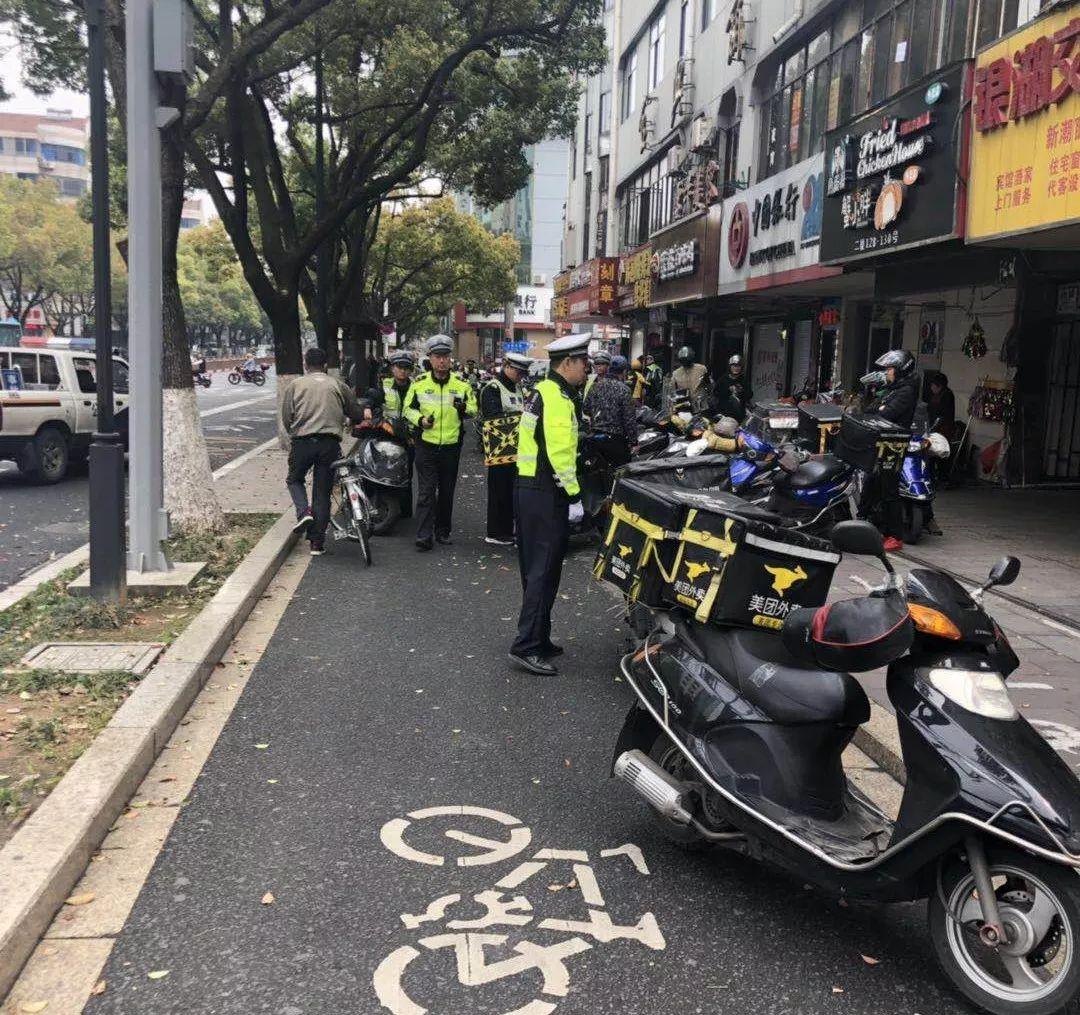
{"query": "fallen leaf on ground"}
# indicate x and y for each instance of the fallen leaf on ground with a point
(79, 900)
(98, 988)
(271, 781)
(261, 747)
(33, 1006)
(870, 960)
(157, 974)
(268, 900)
(838, 990)
(167, 778)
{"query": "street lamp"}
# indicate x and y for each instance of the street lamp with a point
(108, 573)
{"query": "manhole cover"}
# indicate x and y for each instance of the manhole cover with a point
(93, 657)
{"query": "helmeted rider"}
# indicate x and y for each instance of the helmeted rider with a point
(691, 377)
(733, 393)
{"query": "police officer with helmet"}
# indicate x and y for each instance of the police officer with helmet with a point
(548, 497)
(502, 398)
(388, 398)
(436, 404)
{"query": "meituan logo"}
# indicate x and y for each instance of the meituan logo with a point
(695, 571)
(784, 578)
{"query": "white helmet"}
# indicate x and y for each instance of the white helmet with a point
(939, 445)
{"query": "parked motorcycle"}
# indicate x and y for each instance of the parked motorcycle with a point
(256, 376)
(381, 460)
(736, 738)
(917, 482)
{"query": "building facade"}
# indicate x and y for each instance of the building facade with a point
(50, 147)
(788, 180)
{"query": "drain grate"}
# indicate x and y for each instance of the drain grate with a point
(93, 657)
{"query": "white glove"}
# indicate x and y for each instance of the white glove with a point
(577, 512)
(695, 448)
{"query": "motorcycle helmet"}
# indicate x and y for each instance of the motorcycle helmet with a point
(603, 356)
(900, 360)
(636, 364)
(852, 635)
(618, 365)
(685, 356)
(726, 426)
(735, 361)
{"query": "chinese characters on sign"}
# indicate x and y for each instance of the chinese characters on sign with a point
(525, 304)
(635, 279)
(587, 291)
(677, 261)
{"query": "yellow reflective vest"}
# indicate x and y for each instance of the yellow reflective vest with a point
(427, 397)
(393, 402)
(548, 437)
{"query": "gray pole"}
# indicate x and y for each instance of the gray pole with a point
(149, 523)
(108, 574)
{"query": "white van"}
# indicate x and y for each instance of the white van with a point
(48, 408)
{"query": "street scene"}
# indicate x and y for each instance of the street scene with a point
(548, 507)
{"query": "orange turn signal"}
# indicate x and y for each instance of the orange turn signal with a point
(931, 621)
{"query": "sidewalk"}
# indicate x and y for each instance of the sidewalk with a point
(395, 819)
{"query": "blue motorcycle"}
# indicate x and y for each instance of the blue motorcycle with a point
(916, 490)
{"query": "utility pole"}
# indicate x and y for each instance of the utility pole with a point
(321, 261)
(108, 572)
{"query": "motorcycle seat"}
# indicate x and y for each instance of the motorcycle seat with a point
(765, 674)
(817, 471)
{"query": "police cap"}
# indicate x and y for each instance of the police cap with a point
(439, 344)
(569, 345)
(516, 359)
(401, 358)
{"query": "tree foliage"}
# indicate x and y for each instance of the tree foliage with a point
(431, 256)
(217, 301)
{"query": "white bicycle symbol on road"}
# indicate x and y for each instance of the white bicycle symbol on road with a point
(473, 941)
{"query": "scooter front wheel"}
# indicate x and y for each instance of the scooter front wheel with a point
(1037, 970)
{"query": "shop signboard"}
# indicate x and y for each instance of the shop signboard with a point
(683, 263)
(1025, 141)
(891, 177)
(772, 235)
(635, 278)
(531, 306)
(586, 292)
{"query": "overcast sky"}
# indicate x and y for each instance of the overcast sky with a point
(23, 101)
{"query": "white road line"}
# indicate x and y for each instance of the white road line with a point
(1060, 627)
(235, 405)
(244, 458)
(1026, 685)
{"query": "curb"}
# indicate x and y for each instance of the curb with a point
(879, 740)
(47, 856)
(31, 582)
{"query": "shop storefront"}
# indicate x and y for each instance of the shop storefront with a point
(484, 337)
(771, 276)
(683, 266)
(1025, 196)
(634, 297)
(587, 295)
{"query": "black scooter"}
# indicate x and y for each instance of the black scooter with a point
(383, 465)
(736, 740)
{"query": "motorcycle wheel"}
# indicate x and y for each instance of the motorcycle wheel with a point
(234, 376)
(1038, 971)
(258, 379)
(914, 519)
(385, 511)
(674, 762)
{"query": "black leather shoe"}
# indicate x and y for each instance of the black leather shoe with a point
(551, 650)
(534, 664)
(423, 544)
(445, 540)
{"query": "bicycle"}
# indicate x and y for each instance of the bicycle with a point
(352, 515)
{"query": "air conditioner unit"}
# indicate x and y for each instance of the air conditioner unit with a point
(701, 135)
(684, 71)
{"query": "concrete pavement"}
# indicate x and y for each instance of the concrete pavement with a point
(351, 811)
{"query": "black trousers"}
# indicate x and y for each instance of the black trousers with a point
(436, 475)
(305, 455)
(407, 492)
(881, 503)
(543, 532)
(500, 500)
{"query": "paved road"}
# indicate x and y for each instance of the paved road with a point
(385, 692)
(40, 522)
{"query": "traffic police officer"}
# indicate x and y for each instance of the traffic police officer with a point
(547, 497)
(436, 404)
(389, 399)
(501, 398)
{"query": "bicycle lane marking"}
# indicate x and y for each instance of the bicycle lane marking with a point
(486, 958)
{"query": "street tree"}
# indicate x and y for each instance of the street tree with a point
(431, 256)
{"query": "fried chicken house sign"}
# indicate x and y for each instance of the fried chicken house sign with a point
(891, 178)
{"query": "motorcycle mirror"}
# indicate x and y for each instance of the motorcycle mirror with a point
(1004, 572)
(858, 537)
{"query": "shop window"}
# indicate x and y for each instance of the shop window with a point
(604, 114)
(656, 51)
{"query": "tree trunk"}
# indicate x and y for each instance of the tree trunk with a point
(285, 326)
(189, 483)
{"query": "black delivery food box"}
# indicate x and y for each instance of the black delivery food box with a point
(819, 426)
(869, 441)
(636, 551)
(711, 553)
(706, 472)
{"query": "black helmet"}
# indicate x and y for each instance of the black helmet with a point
(735, 361)
(852, 635)
(900, 360)
(685, 356)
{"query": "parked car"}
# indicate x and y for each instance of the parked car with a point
(48, 408)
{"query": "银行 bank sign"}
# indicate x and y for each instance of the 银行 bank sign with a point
(1025, 139)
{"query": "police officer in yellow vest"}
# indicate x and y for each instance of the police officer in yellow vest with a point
(547, 497)
(388, 398)
(502, 399)
(436, 404)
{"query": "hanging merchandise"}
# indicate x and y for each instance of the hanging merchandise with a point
(993, 401)
(974, 346)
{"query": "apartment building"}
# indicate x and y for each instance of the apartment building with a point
(53, 146)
